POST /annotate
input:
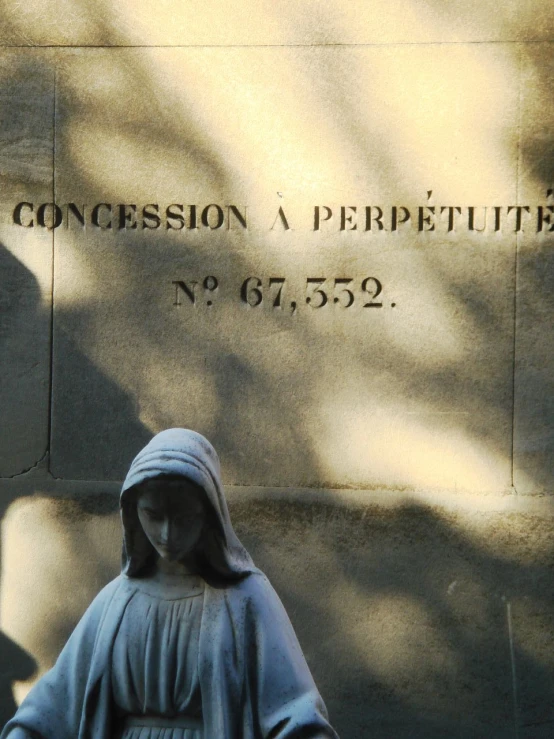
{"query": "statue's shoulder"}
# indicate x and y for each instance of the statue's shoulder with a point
(116, 585)
(256, 590)
(115, 590)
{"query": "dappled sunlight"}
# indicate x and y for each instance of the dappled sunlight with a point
(124, 135)
(295, 127)
(399, 596)
(166, 22)
(255, 132)
(48, 22)
(54, 560)
(377, 612)
(413, 448)
(156, 412)
(450, 119)
(79, 285)
(130, 170)
(396, 606)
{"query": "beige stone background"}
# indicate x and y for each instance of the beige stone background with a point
(391, 469)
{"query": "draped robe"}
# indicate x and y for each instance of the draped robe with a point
(254, 680)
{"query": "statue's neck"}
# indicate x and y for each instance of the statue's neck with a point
(170, 571)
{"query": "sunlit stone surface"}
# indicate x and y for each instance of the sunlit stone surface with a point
(172, 23)
(400, 607)
(292, 394)
(421, 591)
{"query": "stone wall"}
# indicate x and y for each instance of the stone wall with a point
(322, 236)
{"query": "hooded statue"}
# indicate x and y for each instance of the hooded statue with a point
(217, 660)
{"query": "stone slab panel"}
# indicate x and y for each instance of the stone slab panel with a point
(26, 173)
(256, 22)
(414, 393)
(533, 629)
(534, 378)
(534, 21)
(401, 610)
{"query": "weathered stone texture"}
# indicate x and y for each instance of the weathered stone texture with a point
(256, 22)
(401, 608)
(26, 173)
(534, 368)
(417, 393)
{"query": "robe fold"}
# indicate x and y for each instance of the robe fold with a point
(254, 681)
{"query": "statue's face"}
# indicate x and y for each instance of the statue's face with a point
(172, 514)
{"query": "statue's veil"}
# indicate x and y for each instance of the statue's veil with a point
(182, 453)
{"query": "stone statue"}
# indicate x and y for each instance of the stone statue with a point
(190, 641)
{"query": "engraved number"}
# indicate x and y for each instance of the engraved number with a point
(250, 292)
(322, 296)
(345, 291)
(279, 281)
(373, 288)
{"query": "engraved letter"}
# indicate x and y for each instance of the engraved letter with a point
(327, 214)
(471, 219)
(238, 215)
(395, 220)
(127, 217)
(220, 217)
(172, 214)
(80, 216)
(95, 213)
(17, 215)
(369, 217)
(543, 218)
(452, 209)
(519, 214)
(425, 219)
(281, 215)
(497, 214)
(344, 219)
(57, 215)
(189, 291)
(150, 214)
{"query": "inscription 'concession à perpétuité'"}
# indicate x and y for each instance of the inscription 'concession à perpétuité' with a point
(368, 219)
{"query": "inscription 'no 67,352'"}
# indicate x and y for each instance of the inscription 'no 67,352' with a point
(254, 292)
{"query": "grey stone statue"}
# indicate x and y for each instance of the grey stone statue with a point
(190, 641)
